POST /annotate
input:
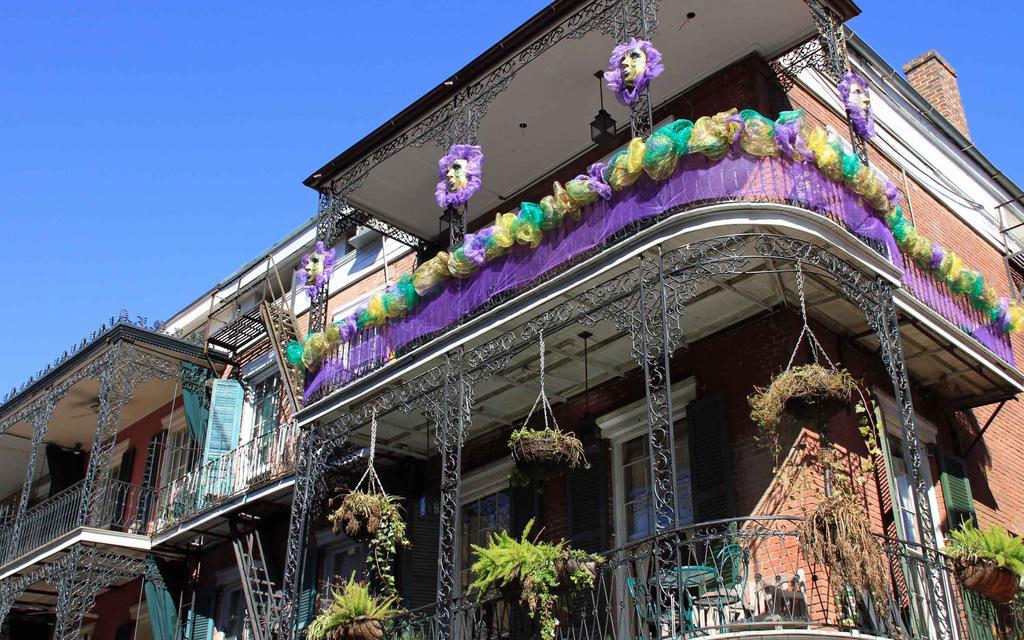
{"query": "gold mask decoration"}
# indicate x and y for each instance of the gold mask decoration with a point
(633, 65)
(456, 176)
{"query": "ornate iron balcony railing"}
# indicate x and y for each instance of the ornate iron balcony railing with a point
(733, 576)
(264, 459)
(121, 507)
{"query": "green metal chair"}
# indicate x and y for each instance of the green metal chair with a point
(728, 590)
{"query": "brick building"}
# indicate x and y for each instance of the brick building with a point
(172, 481)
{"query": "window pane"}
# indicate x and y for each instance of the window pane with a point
(479, 519)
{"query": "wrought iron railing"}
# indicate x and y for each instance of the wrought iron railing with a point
(121, 506)
(264, 459)
(734, 576)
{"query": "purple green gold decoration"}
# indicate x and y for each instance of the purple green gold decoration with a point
(853, 89)
(631, 68)
(730, 136)
(315, 269)
(458, 175)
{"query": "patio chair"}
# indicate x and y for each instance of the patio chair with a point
(725, 596)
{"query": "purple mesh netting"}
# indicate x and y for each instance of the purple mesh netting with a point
(738, 176)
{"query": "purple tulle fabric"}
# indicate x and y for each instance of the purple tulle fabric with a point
(863, 121)
(791, 142)
(738, 176)
(613, 75)
(347, 328)
(475, 245)
(474, 157)
(312, 289)
(937, 256)
(595, 180)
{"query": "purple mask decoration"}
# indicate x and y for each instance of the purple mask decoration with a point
(853, 89)
(458, 175)
(316, 269)
(631, 68)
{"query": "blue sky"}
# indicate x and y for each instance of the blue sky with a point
(149, 149)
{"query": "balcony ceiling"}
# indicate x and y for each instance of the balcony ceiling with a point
(556, 97)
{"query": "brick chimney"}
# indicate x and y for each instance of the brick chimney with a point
(935, 79)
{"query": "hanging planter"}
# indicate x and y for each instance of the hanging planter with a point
(353, 614)
(989, 562)
(368, 514)
(538, 451)
(805, 395)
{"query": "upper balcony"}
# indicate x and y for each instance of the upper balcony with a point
(722, 56)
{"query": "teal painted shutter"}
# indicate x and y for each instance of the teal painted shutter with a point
(163, 615)
(222, 433)
(956, 489)
(308, 596)
(710, 459)
(202, 617)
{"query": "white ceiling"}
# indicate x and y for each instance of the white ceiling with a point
(556, 97)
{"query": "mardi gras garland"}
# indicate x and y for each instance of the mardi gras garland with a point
(790, 136)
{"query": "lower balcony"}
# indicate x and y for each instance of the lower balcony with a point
(736, 578)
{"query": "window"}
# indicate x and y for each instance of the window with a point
(266, 404)
(481, 517)
(181, 451)
(638, 502)
(339, 563)
(232, 613)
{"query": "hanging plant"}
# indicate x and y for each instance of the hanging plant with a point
(353, 614)
(989, 561)
(631, 68)
(373, 516)
(801, 395)
(537, 451)
(530, 573)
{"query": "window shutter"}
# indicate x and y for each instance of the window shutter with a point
(710, 459)
(222, 432)
(149, 477)
(310, 580)
(123, 631)
(956, 489)
(202, 618)
(424, 524)
(588, 503)
(524, 508)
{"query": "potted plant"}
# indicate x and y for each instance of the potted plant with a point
(989, 562)
(530, 573)
(545, 448)
(808, 394)
(353, 614)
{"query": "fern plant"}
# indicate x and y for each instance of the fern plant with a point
(532, 567)
(353, 602)
(993, 545)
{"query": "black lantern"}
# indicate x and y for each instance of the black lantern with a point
(602, 127)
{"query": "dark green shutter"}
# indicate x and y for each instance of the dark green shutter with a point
(202, 617)
(123, 631)
(588, 503)
(149, 477)
(524, 508)
(421, 589)
(310, 584)
(956, 489)
(163, 614)
(710, 459)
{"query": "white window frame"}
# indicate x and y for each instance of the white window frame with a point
(176, 428)
(476, 485)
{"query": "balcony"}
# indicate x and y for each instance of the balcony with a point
(256, 463)
(740, 577)
(121, 507)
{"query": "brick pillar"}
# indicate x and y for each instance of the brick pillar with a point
(935, 80)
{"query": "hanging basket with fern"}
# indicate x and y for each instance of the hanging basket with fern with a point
(989, 562)
(352, 614)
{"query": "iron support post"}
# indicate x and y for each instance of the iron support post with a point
(40, 421)
(885, 322)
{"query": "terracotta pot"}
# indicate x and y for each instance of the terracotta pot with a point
(989, 580)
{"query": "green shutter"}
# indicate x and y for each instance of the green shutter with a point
(222, 432)
(710, 459)
(201, 622)
(308, 596)
(421, 558)
(163, 614)
(956, 489)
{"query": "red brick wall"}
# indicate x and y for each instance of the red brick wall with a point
(935, 80)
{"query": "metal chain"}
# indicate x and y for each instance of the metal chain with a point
(373, 484)
(542, 396)
(812, 340)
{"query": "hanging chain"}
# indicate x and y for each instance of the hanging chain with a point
(542, 397)
(812, 340)
(373, 484)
